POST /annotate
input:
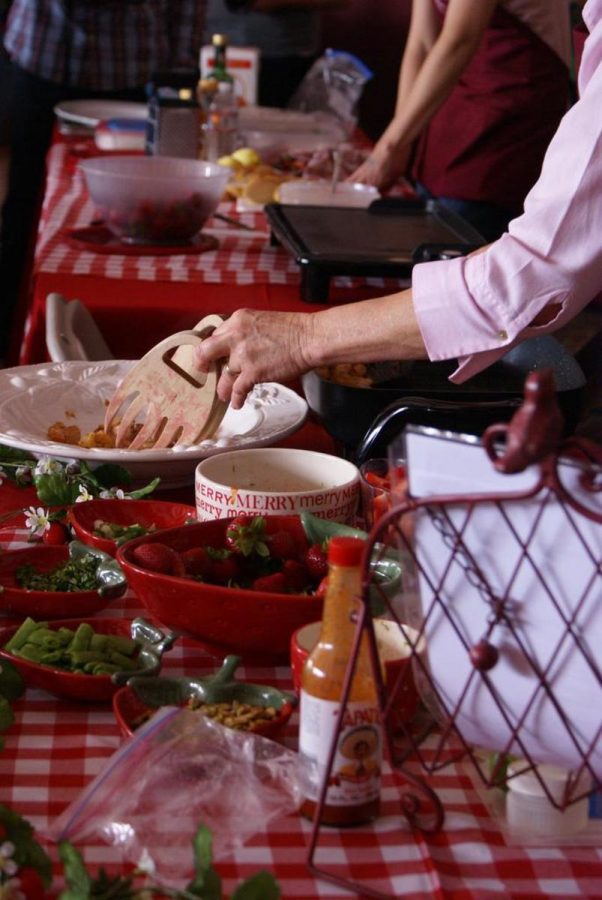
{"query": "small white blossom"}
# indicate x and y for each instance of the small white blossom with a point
(8, 866)
(84, 494)
(113, 494)
(46, 465)
(37, 521)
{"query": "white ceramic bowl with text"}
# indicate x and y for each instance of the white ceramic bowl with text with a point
(277, 481)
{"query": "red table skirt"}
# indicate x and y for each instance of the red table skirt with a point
(134, 315)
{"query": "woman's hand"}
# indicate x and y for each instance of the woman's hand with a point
(382, 168)
(257, 346)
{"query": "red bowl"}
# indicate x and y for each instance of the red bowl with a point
(130, 712)
(17, 601)
(87, 688)
(395, 654)
(160, 513)
(253, 624)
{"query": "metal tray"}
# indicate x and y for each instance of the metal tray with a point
(384, 240)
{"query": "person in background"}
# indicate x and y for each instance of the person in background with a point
(532, 280)
(70, 50)
(482, 88)
(287, 33)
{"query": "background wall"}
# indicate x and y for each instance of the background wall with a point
(375, 31)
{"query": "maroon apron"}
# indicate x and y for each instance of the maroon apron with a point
(488, 140)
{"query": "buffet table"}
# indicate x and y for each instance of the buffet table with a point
(56, 747)
(158, 294)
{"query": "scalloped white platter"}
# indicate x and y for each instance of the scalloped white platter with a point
(32, 398)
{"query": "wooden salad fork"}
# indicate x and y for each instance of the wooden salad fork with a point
(163, 391)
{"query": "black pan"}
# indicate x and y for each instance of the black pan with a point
(366, 419)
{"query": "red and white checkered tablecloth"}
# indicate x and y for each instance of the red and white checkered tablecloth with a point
(56, 747)
(242, 257)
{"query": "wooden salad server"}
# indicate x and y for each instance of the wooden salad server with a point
(173, 402)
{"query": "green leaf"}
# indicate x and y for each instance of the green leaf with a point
(108, 475)
(76, 875)
(53, 490)
(144, 491)
(13, 455)
(12, 684)
(206, 883)
(28, 852)
(261, 886)
(7, 716)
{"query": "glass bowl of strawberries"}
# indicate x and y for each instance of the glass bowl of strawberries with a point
(239, 585)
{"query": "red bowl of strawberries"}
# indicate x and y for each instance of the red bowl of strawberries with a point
(240, 585)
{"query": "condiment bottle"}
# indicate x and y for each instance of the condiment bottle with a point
(219, 106)
(353, 794)
(220, 72)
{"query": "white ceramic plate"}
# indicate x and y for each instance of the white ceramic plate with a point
(91, 112)
(34, 397)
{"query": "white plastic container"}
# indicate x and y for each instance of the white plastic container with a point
(529, 810)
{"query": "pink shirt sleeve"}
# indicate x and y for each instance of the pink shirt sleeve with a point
(475, 308)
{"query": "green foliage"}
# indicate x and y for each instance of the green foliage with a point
(28, 853)
(206, 883)
(61, 486)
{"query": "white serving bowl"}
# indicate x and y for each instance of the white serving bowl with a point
(277, 481)
(320, 193)
(154, 199)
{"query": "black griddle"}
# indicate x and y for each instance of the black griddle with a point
(385, 240)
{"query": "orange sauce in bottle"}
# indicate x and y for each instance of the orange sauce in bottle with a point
(353, 794)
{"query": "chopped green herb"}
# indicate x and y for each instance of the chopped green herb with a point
(73, 575)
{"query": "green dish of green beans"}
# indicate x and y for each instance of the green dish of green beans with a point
(84, 659)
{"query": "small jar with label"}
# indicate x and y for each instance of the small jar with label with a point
(353, 792)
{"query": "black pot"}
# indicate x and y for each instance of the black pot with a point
(366, 419)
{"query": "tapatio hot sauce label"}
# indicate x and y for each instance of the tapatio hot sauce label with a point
(356, 770)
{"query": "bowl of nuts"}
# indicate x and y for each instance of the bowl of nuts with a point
(244, 706)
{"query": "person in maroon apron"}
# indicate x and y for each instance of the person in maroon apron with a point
(479, 114)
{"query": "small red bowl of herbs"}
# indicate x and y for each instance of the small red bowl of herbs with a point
(84, 659)
(55, 581)
(107, 524)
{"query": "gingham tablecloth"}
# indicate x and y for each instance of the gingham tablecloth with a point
(241, 258)
(56, 747)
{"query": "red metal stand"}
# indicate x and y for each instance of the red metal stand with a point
(532, 438)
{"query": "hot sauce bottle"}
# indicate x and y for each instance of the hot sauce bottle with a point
(353, 792)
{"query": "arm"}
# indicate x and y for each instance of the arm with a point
(267, 346)
(433, 62)
(540, 274)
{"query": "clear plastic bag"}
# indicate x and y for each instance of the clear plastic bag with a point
(178, 771)
(333, 87)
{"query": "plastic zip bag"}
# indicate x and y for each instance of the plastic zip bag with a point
(333, 87)
(181, 770)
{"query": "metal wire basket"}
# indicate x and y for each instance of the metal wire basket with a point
(504, 595)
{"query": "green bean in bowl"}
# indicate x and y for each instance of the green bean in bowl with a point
(84, 659)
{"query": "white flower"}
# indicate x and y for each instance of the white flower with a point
(8, 866)
(113, 494)
(37, 521)
(46, 465)
(84, 494)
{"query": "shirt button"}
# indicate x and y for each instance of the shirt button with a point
(503, 335)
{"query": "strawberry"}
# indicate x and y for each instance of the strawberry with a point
(296, 575)
(271, 584)
(31, 884)
(283, 545)
(317, 561)
(56, 534)
(225, 567)
(246, 535)
(196, 561)
(158, 558)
